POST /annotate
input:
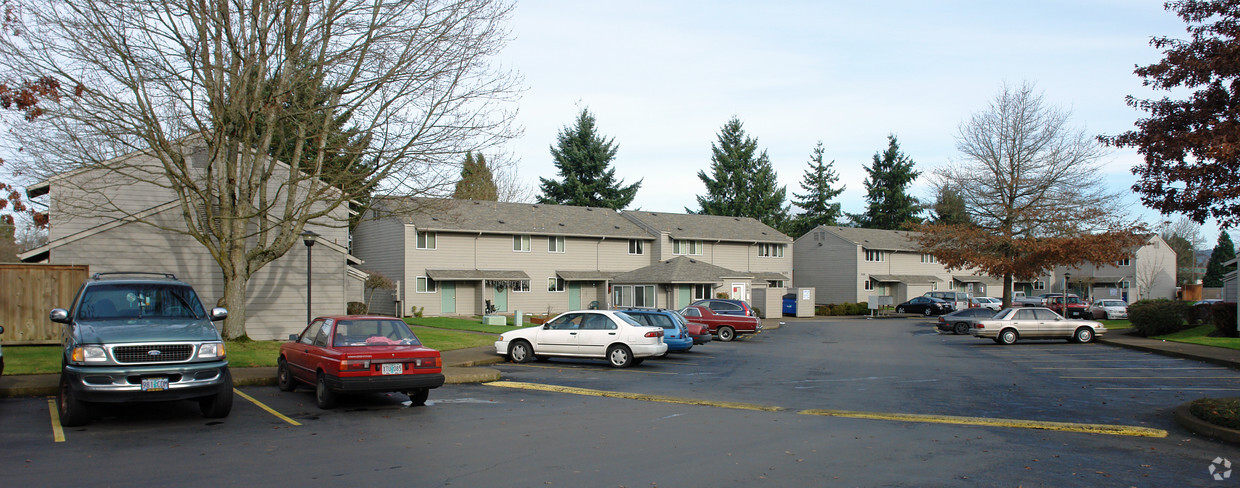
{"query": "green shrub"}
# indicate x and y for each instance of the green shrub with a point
(846, 308)
(1157, 317)
(1197, 314)
(1223, 316)
(355, 308)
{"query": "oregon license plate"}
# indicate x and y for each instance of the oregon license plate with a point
(392, 368)
(159, 383)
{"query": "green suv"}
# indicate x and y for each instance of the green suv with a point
(140, 337)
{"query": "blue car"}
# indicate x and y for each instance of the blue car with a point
(675, 335)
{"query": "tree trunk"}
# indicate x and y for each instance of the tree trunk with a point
(235, 281)
(1007, 290)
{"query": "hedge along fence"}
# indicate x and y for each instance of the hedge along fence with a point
(862, 308)
(1157, 317)
(1223, 315)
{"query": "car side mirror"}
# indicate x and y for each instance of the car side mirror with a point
(293, 337)
(1, 329)
(218, 314)
(546, 326)
(59, 315)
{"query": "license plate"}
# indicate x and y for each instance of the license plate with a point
(392, 368)
(155, 384)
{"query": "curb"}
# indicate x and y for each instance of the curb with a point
(1187, 420)
(1175, 354)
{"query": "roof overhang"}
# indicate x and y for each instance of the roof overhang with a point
(584, 275)
(475, 274)
(906, 278)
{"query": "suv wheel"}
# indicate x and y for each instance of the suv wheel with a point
(72, 411)
(219, 405)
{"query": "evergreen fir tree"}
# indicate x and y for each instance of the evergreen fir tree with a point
(949, 208)
(477, 181)
(742, 182)
(582, 157)
(1224, 251)
(816, 202)
(889, 206)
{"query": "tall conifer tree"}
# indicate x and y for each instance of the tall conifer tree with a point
(819, 209)
(1224, 251)
(477, 180)
(889, 206)
(742, 182)
(583, 157)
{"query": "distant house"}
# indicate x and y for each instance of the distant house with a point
(454, 257)
(94, 220)
(849, 264)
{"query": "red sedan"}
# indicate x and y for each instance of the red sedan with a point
(724, 326)
(355, 354)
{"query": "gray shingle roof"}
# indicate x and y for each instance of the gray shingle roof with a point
(878, 239)
(475, 274)
(514, 218)
(915, 279)
(679, 269)
(708, 227)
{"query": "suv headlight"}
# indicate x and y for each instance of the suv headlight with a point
(211, 350)
(89, 354)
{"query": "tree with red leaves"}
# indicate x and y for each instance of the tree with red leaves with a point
(1192, 147)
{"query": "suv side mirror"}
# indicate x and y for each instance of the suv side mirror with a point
(59, 315)
(218, 314)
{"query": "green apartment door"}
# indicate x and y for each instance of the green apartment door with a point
(574, 295)
(684, 296)
(501, 299)
(447, 297)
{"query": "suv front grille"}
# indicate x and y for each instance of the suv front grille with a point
(153, 353)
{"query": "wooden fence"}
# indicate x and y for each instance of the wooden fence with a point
(28, 292)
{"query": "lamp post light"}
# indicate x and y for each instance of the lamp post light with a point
(308, 237)
(1066, 276)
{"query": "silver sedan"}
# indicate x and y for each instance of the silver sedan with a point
(1012, 324)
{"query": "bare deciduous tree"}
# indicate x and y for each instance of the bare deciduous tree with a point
(412, 77)
(1032, 187)
(1184, 237)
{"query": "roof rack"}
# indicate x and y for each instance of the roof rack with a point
(99, 276)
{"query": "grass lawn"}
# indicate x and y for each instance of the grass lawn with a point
(1198, 335)
(46, 359)
(1116, 324)
(473, 325)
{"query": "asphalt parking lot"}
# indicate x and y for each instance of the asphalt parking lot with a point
(849, 402)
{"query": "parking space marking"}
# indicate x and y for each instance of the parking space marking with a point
(632, 396)
(265, 407)
(1093, 360)
(1169, 389)
(587, 368)
(1149, 377)
(1146, 368)
(1124, 430)
(58, 433)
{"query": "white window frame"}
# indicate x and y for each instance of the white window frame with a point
(555, 285)
(874, 256)
(869, 285)
(1124, 262)
(521, 243)
(425, 239)
(1039, 285)
(771, 250)
(934, 286)
(775, 283)
(424, 284)
(701, 292)
(520, 286)
(928, 259)
(555, 244)
(638, 246)
(686, 247)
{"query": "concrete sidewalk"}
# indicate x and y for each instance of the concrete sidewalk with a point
(459, 366)
(1209, 354)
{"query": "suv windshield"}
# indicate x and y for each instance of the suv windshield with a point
(113, 301)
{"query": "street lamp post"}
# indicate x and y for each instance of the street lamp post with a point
(1064, 310)
(308, 237)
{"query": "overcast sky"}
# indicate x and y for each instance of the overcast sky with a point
(663, 77)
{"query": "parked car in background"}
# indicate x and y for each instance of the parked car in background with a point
(992, 303)
(697, 330)
(1076, 309)
(1109, 309)
(961, 321)
(726, 306)
(958, 299)
(1, 354)
(140, 337)
(1012, 324)
(675, 333)
(726, 327)
(926, 306)
(358, 354)
(599, 334)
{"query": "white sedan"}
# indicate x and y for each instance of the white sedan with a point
(1012, 324)
(602, 334)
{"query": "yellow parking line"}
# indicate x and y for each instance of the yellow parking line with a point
(588, 368)
(1093, 360)
(265, 407)
(58, 433)
(632, 396)
(995, 422)
(1149, 378)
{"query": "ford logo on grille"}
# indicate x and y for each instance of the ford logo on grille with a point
(153, 352)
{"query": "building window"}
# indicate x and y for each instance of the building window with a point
(1124, 262)
(555, 243)
(775, 283)
(873, 256)
(680, 246)
(869, 285)
(519, 286)
(1123, 284)
(771, 250)
(701, 292)
(426, 240)
(632, 295)
(555, 284)
(1039, 285)
(934, 286)
(425, 285)
(636, 246)
(521, 243)
(928, 259)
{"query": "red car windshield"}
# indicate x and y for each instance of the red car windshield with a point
(373, 332)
